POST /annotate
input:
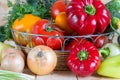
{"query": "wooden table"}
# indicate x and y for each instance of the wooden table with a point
(65, 75)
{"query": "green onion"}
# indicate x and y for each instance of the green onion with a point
(9, 75)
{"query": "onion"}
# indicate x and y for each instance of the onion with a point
(12, 50)
(13, 62)
(41, 60)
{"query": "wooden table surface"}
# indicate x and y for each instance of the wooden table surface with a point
(65, 75)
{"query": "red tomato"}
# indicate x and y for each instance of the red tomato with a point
(71, 43)
(57, 7)
(47, 35)
(99, 41)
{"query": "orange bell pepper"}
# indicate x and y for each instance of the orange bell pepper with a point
(25, 24)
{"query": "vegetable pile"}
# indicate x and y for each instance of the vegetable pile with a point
(73, 19)
(76, 26)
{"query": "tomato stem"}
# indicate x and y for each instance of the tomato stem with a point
(90, 9)
(82, 55)
(48, 28)
(105, 52)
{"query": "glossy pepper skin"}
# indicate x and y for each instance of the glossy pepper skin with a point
(84, 59)
(110, 67)
(87, 16)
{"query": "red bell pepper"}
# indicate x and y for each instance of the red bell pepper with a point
(84, 59)
(87, 16)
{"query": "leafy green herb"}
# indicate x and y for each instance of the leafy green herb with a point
(39, 8)
(114, 7)
(2, 34)
(9, 3)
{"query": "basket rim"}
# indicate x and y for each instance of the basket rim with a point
(65, 37)
(75, 36)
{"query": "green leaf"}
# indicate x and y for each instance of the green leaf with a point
(2, 34)
(33, 2)
(114, 7)
(9, 3)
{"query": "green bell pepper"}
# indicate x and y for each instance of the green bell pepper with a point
(110, 67)
(109, 49)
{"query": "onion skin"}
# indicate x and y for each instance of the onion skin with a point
(12, 50)
(2, 47)
(13, 62)
(43, 63)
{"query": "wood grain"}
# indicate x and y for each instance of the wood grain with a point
(65, 75)
(59, 75)
(95, 77)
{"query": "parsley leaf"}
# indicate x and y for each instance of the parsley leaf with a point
(2, 33)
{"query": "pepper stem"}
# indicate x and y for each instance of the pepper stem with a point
(82, 55)
(90, 9)
(105, 52)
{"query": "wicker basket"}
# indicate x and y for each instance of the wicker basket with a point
(61, 53)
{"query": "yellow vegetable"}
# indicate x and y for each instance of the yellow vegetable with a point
(61, 21)
(25, 24)
(118, 24)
